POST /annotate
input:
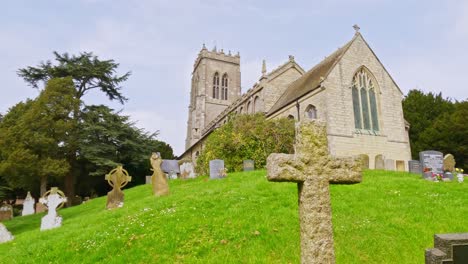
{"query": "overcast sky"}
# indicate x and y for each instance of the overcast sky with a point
(423, 44)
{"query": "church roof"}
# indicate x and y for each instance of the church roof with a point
(311, 80)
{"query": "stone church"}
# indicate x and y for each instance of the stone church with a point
(350, 89)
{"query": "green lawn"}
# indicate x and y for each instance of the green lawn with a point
(389, 218)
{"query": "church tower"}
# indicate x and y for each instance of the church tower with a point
(215, 85)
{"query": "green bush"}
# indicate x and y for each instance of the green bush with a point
(247, 137)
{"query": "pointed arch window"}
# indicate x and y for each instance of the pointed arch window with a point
(311, 112)
(364, 101)
(224, 87)
(216, 86)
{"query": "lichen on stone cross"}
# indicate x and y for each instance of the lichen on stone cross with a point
(158, 179)
(117, 179)
(313, 169)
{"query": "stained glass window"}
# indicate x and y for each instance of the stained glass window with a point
(364, 102)
(357, 108)
(373, 106)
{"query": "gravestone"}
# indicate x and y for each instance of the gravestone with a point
(400, 165)
(159, 180)
(148, 179)
(249, 165)
(448, 249)
(379, 162)
(364, 161)
(28, 205)
(389, 164)
(54, 199)
(5, 235)
(187, 170)
(170, 166)
(6, 212)
(313, 169)
(216, 168)
(414, 166)
(449, 163)
(432, 160)
(40, 208)
(117, 179)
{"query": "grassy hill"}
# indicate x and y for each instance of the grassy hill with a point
(389, 218)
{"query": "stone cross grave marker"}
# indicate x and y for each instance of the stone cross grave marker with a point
(449, 163)
(432, 160)
(54, 199)
(216, 169)
(158, 179)
(117, 179)
(6, 212)
(249, 165)
(313, 169)
(28, 205)
(5, 235)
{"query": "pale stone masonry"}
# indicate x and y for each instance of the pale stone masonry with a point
(369, 123)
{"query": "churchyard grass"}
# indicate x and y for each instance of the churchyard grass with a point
(390, 217)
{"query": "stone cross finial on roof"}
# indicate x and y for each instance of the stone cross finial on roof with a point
(356, 28)
(264, 67)
(313, 169)
(203, 47)
(291, 58)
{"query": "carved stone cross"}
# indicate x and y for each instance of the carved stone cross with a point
(314, 169)
(117, 179)
(54, 199)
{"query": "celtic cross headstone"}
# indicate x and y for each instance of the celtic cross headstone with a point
(54, 199)
(313, 169)
(117, 179)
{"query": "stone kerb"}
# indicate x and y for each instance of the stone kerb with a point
(448, 249)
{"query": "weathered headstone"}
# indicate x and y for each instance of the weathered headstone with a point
(389, 164)
(379, 162)
(400, 165)
(216, 168)
(364, 161)
(40, 208)
(432, 160)
(54, 199)
(313, 169)
(5, 235)
(6, 212)
(117, 179)
(147, 179)
(249, 165)
(159, 180)
(28, 205)
(449, 163)
(187, 171)
(414, 166)
(448, 249)
(172, 175)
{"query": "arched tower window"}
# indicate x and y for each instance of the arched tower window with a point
(216, 86)
(311, 112)
(224, 87)
(364, 101)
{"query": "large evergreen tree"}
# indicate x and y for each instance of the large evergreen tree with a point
(88, 72)
(34, 137)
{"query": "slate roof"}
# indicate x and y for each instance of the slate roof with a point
(311, 80)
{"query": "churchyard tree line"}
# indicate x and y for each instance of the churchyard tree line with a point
(437, 123)
(56, 139)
